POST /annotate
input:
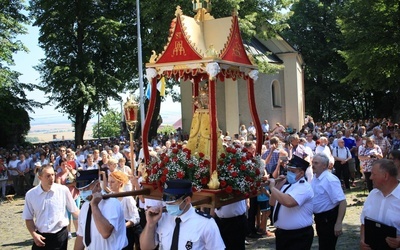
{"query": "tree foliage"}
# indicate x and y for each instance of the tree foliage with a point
(315, 32)
(14, 104)
(109, 125)
(167, 130)
(89, 54)
(371, 31)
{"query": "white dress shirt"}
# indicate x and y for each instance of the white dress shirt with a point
(49, 208)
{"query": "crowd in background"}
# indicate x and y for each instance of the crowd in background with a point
(351, 147)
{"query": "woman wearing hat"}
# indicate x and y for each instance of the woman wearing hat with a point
(116, 182)
(293, 207)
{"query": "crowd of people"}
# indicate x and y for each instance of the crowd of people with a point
(307, 173)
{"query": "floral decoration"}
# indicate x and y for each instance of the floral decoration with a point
(239, 171)
(179, 163)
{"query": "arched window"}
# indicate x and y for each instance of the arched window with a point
(276, 94)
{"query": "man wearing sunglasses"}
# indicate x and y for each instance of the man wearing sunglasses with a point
(182, 226)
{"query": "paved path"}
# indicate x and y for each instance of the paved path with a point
(14, 235)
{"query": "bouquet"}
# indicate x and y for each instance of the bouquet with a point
(179, 163)
(239, 171)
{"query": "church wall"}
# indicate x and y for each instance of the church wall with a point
(263, 95)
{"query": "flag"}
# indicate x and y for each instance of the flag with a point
(160, 87)
(148, 91)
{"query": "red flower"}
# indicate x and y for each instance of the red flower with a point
(179, 146)
(257, 171)
(201, 155)
(244, 150)
(249, 156)
(223, 155)
(163, 178)
(154, 171)
(166, 159)
(234, 174)
(229, 189)
(190, 165)
(258, 183)
(206, 162)
(233, 150)
(243, 158)
(243, 167)
(180, 175)
(233, 161)
(175, 150)
(204, 180)
(223, 183)
(165, 171)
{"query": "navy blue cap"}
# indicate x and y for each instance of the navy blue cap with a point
(175, 189)
(297, 162)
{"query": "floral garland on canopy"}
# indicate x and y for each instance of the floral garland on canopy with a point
(239, 172)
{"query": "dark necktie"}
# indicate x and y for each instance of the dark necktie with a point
(87, 227)
(278, 206)
(175, 236)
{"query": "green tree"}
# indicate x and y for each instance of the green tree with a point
(371, 31)
(167, 130)
(89, 54)
(109, 126)
(315, 33)
(14, 104)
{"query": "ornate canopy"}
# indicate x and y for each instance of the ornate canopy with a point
(198, 48)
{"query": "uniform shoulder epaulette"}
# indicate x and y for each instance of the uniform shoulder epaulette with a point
(301, 181)
(208, 216)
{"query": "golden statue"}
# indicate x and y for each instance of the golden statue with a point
(200, 131)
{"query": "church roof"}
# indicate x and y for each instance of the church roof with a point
(256, 48)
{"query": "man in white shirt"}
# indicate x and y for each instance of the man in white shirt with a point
(329, 203)
(383, 202)
(310, 142)
(251, 130)
(106, 224)
(342, 156)
(116, 154)
(265, 127)
(182, 227)
(14, 172)
(47, 204)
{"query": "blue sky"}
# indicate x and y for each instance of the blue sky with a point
(24, 63)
